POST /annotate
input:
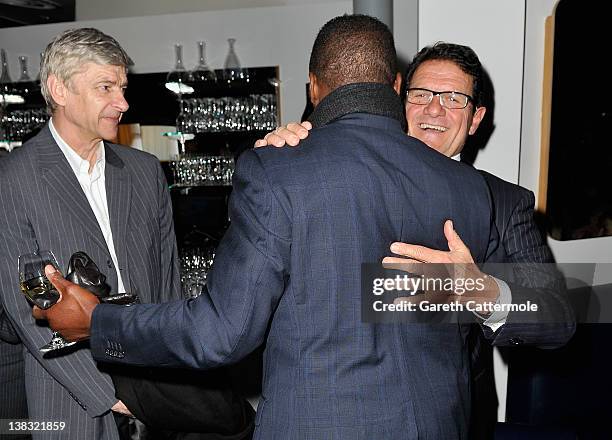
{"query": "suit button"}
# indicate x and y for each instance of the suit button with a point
(516, 341)
(109, 263)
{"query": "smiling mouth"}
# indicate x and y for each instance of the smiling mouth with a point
(438, 128)
(115, 119)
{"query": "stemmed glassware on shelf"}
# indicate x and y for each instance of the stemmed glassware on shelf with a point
(8, 95)
(5, 76)
(233, 71)
(178, 79)
(23, 67)
(202, 72)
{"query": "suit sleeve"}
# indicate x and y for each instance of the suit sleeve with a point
(169, 264)
(75, 371)
(7, 332)
(244, 286)
(530, 272)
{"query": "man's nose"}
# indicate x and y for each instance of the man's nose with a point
(120, 103)
(434, 108)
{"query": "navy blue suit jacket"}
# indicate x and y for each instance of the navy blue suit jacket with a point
(287, 272)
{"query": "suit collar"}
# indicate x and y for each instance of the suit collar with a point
(57, 174)
(50, 155)
(118, 196)
(367, 98)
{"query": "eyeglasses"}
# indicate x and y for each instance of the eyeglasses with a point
(451, 100)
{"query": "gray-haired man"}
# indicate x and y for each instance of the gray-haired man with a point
(68, 190)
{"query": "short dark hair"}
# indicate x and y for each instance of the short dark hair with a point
(351, 49)
(463, 56)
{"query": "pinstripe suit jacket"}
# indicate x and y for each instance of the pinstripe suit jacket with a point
(44, 207)
(522, 244)
(13, 403)
(520, 241)
(288, 269)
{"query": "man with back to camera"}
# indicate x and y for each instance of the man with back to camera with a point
(289, 267)
(66, 190)
(444, 121)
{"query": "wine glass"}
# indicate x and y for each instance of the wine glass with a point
(233, 69)
(202, 72)
(39, 290)
(178, 77)
(181, 138)
(23, 66)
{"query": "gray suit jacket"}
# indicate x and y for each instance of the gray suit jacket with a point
(44, 207)
(12, 380)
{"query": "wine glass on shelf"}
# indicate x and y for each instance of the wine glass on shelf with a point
(202, 72)
(23, 66)
(181, 138)
(39, 291)
(232, 68)
(177, 78)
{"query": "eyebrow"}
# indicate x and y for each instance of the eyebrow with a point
(107, 80)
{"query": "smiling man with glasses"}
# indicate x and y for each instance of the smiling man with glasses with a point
(454, 74)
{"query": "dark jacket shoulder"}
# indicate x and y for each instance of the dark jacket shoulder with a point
(501, 189)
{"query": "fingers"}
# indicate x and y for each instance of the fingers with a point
(38, 313)
(56, 278)
(454, 241)
(307, 125)
(416, 252)
(403, 263)
(289, 135)
(273, 139)
(456, 245)
(49, 270)
(260, 143)
(298, 129)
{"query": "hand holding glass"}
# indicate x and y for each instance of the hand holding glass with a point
(38, 289)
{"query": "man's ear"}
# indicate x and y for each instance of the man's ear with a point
(397, 84)
(314, 89)
(57, 89)
(476, 119)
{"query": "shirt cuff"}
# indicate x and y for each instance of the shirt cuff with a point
(498, 317)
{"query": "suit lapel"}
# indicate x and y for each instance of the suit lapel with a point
(118, 195)
(64, 187)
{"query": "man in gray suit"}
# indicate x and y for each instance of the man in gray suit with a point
(68, 189)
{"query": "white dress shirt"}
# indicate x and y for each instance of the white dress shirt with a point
(94, 187)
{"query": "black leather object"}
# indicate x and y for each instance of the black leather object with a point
(83, 271)
(172, 403)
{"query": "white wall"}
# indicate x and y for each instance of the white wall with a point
(494, 29)
(268, 36)
(97, 10)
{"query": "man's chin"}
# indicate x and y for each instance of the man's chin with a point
(109, 135)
